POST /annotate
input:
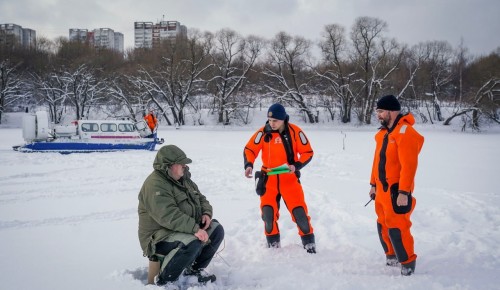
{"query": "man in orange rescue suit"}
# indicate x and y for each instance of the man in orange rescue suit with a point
(392, 180)
(151, 121)
(281, 143)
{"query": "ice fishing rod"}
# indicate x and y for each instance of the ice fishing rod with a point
(372, 197)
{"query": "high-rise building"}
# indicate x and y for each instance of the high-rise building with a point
(29, 37)
(98, 38)
(13, 34)
(80, 35)
(119, 40)
(147, 34)
(143, 34)
(104, 38)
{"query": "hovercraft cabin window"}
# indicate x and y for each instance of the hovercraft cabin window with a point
(126, 127)
(90, 127)
(108, 127)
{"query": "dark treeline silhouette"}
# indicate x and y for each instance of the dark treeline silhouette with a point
(228, 75)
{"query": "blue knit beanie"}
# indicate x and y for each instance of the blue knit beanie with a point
(276, 111)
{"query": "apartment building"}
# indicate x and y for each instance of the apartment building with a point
(119, 41)
(80, 35)
(143, 34)
(147, 34)
(99, 38)
(12, 34)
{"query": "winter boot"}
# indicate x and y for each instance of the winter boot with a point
(167, 285)
(273, 241)
(392, 261)
(408, 269)
(202, 275)
(310, 248)
(309, 244)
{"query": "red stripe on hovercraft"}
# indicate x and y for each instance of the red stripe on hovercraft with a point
(115, 137)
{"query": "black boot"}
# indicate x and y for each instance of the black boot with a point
(273, 241)
(408, 269)
(309, 244)
(391, 261)
(202, 275)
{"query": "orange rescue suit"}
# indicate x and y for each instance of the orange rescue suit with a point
(151, 121)
(394, 168)
(274, 146)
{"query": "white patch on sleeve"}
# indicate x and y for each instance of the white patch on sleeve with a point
(258, 137)
(157, 193)
(403, 129)
(303, 138)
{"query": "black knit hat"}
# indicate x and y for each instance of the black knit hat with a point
(389, 103)
(276, 111)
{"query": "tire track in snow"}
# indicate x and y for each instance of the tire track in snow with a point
(92, 217)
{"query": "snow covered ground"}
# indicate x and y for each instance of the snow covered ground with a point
(70, 221)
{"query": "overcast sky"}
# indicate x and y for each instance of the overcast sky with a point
(477, 22)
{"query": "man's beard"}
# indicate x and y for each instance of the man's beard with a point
(385, 122)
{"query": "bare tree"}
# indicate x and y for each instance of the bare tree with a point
(123, 89)
(52, 91)
(45, 45)
(335, 69)
(462, 60)
(168, 77)
(11, 86)
(233, 58)
(84, 88)
(194, 65)
(170, 86)
(413, 60)
(377, 57)
(152, 84)
(438, 70)
(287, 69)
(486, 97)
(405, 80)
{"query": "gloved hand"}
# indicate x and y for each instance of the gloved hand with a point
(372, 192)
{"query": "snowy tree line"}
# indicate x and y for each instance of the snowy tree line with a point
(229, 75)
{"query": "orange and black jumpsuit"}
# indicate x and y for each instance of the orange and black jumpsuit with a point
(288, 147)
(394, 167)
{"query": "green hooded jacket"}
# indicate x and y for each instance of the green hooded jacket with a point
(168, 206)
